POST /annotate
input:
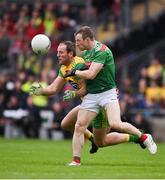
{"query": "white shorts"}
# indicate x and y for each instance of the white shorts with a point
(93, 102)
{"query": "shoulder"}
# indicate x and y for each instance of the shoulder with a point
(61, 71)
(62, 68)
(78, 60)
(101, 47)
(103, 50)
(79, 63)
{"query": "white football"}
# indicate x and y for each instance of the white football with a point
(40, 44)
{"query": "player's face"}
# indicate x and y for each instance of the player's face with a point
(81, 43)
(62, 54)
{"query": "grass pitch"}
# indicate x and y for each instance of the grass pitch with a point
(44, 159)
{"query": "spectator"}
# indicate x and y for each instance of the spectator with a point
(127, 86)
(58, 116)
(35, 27)
(143, 74)
(155, 69)
(14, 11)
(31, 123)
(140, 95)
(67, 28)
(50, 24)
(153, 94)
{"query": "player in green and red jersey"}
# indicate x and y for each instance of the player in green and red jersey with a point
(106, 79)
(101, 88)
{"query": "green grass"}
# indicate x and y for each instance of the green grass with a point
(46, 159)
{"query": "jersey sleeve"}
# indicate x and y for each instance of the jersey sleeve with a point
(60, 73)
(80, 66)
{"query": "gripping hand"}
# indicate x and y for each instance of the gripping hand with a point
(70, 73)
(69, 95)
(73, 71)
(36, 90)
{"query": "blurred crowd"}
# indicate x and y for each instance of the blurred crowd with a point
(146, 99)
(34, 116)
(20, 67)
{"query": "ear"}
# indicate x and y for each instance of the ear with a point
(70, 54)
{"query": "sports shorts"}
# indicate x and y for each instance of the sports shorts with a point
(93, 102)
(101, 120)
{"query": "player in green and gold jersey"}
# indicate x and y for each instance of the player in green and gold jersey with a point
(67, 60)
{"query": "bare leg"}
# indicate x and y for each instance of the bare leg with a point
(69, 121)
(113, 113)
(102, 139)
(83, 120)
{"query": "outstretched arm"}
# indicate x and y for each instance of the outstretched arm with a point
(50, 90)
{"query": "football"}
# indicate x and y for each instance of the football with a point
(40, 44)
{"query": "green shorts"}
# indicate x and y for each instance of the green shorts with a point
(101, 120)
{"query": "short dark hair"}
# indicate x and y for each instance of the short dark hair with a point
(86, 32)
(70, 47)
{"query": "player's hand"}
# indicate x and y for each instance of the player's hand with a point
(70, 73)
(36, 89)
(69, 95)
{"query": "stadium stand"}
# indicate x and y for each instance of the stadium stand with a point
(138, 45)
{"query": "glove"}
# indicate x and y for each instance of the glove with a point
(36, 90)
(69, 95)
(73, 71)
(70, 73)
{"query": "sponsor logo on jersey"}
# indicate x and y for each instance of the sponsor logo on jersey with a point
(73, 84)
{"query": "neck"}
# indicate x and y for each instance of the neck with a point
(69, 62)
(92, 44)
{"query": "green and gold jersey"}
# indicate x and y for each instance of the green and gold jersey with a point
(77, 63)
(105, 79)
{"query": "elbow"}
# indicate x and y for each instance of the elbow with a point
(91, 76)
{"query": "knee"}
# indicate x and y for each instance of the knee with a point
(79, 128)
(100, 143)
(64, 124)
(117, 125)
